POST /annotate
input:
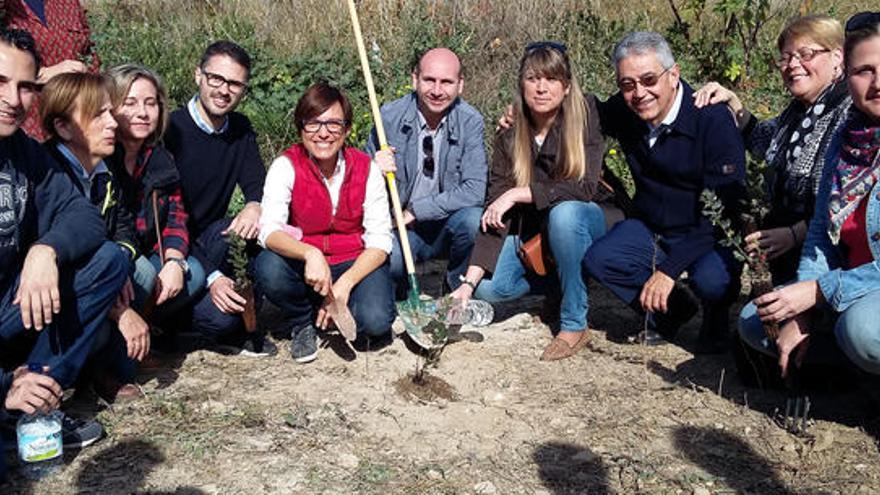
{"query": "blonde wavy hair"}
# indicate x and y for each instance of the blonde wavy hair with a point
(549, 61)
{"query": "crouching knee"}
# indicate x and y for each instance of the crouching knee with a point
(375, 322)
(859, 336)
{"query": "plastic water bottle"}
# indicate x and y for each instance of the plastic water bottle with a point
(40, 443)
(476, 313)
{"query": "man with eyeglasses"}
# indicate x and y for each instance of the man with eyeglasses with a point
(216, 150)
(439, 160)
(674, 152)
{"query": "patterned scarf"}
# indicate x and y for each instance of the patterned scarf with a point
(795, 134)
(858, 169)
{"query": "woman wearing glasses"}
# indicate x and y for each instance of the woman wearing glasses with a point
(794, 142)
(839, 273)
(543, 180)
(326, 228)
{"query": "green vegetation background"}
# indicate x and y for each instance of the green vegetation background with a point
(296, 43)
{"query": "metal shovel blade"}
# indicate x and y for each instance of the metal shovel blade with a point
(341, 316)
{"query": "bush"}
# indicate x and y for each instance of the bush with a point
(726, 40)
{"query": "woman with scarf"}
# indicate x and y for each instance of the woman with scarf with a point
(793, 143)
(838, 283)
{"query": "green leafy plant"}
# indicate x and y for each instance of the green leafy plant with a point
(759, 276)
(238, 258)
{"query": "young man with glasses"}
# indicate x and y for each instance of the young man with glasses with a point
(674, 152)
(216, 150)
(439, 160)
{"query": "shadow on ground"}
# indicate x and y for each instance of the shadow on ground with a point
(123, 468)
(567, 468)
(730, 459)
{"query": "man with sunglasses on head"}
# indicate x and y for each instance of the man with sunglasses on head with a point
(216, 150)
(674, 151)
(439, 160)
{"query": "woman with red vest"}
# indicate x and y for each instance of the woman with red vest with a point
(326, 228)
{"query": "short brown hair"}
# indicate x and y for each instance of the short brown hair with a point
(316, 100)
(822, 29)
(120, 79)
(63, 92)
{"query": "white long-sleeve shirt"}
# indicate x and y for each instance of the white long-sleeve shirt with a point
(277, 196)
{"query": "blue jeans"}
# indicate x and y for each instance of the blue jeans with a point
(110, 344)
(856, 331)
(453, 235)
(572, 226)
(88, 289)
(371, 301)
(144, 281)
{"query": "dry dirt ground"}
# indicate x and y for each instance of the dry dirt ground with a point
(617, 418)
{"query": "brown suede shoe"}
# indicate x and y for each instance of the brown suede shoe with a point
(559, 349)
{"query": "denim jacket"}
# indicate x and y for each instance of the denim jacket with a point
(462, 167)
(823, 261)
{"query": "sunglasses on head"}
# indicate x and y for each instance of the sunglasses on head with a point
(553, 45)
(862, 20)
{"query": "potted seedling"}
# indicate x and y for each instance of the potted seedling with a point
(238, 258)
(757, 269)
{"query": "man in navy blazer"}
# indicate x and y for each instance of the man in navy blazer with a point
(674, 151)
(441, 168)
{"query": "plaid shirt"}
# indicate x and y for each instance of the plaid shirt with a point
(175, 234)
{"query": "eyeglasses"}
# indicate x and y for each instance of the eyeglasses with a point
(553, 45)
(333, 126)
(801, 54)
(862, 20)
(647, 81)
(216, 80)
(428, 161)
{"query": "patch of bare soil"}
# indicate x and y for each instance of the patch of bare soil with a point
(615, 419)
(424, 388)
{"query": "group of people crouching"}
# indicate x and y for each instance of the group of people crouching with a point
(117, 223)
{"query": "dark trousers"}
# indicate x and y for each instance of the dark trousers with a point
(625, 258)
(371, 301)
(211, 249)
(87, 288)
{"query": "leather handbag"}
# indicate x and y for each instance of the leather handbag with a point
(533, 255)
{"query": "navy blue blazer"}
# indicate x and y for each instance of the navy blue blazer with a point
(701, 149)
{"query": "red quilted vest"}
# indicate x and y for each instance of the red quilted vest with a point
(338, 236)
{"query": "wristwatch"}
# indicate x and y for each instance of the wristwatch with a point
(180, 262)
(465, 281)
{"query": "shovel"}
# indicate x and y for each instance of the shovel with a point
(413, 312)
(412, 299)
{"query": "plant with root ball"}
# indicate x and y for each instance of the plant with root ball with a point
(239, 260)
(759, 275)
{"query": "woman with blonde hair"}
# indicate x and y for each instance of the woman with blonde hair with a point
(838, 281)
(148, 176)
(794, 142)
(543, 180)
